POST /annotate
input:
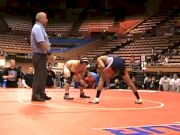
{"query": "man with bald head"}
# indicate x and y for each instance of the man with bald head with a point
(40, 47)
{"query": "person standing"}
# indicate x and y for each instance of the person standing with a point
(40, 46)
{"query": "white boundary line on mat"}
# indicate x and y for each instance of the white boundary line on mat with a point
(58, 106)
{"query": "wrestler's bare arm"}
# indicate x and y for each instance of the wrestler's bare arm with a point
(81, 74)
(101, 63)
(80, 78)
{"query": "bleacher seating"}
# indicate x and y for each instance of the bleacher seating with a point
(150, 23)
(18, 24)
(137, 48)
(96, 25)
(106, 48)
(14, 42)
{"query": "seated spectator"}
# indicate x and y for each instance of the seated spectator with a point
(153, 84)
(123, 85)
(132, 61)
(177, 28)
(164, 83)
(116, 84)
(134, 81)
(158, 76)
(50, 81)
(1, 76)
(91, 80)
(147, 82)
(59, 79)
(174, 83)
(12, 75)
(166, 60)
(28, 78)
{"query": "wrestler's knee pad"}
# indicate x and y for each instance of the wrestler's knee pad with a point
(69, 80)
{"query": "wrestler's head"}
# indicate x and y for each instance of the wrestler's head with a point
(84, 60)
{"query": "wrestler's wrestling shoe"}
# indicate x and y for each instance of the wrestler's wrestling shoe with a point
(95, 101)
(138, 101)
(67, 97)
(82, 95)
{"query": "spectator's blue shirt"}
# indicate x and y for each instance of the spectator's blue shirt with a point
(38, 35)
(96, 76)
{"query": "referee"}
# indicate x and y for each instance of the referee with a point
(40, 46)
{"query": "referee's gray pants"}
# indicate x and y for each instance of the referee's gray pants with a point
(40, 74)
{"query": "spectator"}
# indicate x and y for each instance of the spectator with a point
(153, 84)
(116, 84)
(61, 79)
(174, 83)
(164, 83)
(90, 80)
(1, 76)
(12, 75)
(51, 77)
(147, 82)
(28, 78)
(21, 76)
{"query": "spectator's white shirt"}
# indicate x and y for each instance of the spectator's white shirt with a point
(165, 83)
(145, 79)
(175, 83)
